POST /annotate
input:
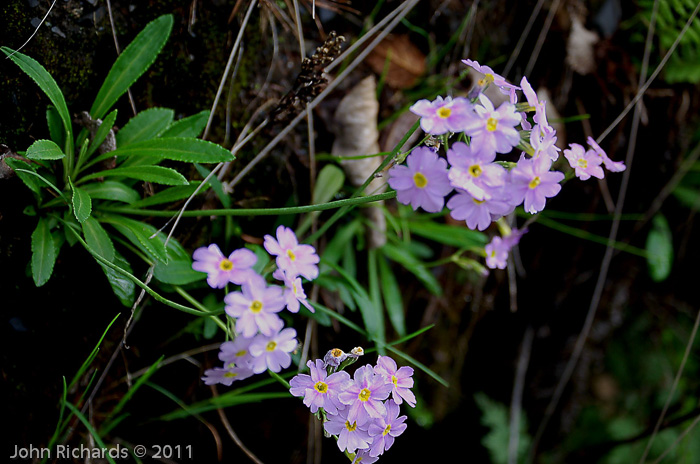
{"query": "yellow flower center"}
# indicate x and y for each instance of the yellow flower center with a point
(241, 353)
(291, 255)
(394, 380)
(534, 182)
(321, 387)
(487, 79)
(582, 163)
(225, 265)
(271, 346)
(386, 430)
(350, 427)
(364, 395)
(491, 124)
(256, 306)
(420, 180)
(230, 374)
(478, 202)
(444, 112)
(336, 352)
(475, 170)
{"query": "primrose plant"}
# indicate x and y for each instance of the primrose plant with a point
(362, 411)
(259, 339)
(83, 179)
(486, 189)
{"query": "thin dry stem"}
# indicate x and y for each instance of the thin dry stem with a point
(35, 31)
(118, 48)
(676, 380)
(523, 36)
(404, 9)
(516, 402)
(604, 266)
(540, 38)
(678, 440)
(642, 90)
(232, 433)
(234, 50)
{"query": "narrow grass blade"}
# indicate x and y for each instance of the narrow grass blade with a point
(108, 423)
(90, 428)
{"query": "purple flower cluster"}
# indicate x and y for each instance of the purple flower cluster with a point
(261, 342)
(485, 189)
(361, 411)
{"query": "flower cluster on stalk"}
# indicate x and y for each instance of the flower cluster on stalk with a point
(484, 188)
(362, 411)
(261, 340)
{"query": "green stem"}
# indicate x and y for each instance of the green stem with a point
(277, 377)
(190, 299)
(345, 209)
(348, 202)
(138, 282)
(576, 232)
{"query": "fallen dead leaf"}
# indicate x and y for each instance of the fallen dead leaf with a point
(406, 61)
(356, 134)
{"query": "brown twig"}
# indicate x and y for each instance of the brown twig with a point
(605, 263)
(232, 433)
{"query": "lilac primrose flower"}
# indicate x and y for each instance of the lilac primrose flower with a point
(479, 214)
(540, 107)
(474, 171)
(292, 258)
(496, 253)
(514, 237)
(365, 395)
(236, 352)
(443, 115)
(293, 292)
(385, 429)
(610, 165)
(351, 435)
(334, 357)
(585, 163)
(493, 130)
(401, 380)
(319, 389)
(226, 376)
(255, 307)
(363, 457)
(543, 141)
(272, 352)
(490, 77)
(221, 270)
(497, 250)
(533, 182)
(423, 182)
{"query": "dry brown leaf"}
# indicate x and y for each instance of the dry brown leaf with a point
(356, 134)
(406, 61)
(579, 47)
